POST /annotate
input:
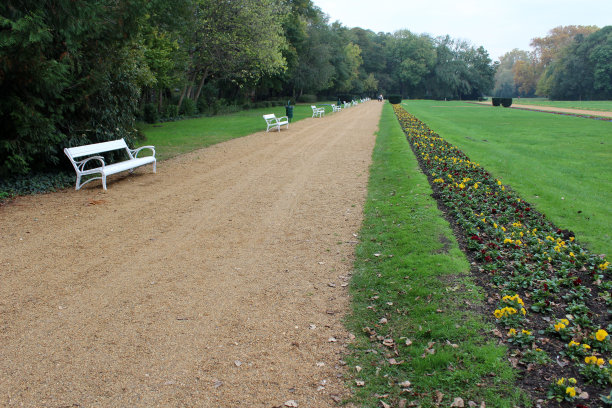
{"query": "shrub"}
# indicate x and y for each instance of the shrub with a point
(172, 111)
(150, 113)
(395, 99)
(188, 108)
(506, 102)
(308, 98)
(496, 101)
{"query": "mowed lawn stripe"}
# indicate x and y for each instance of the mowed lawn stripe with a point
(419, 334)
(562, 165)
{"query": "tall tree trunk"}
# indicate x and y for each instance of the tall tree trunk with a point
(204, 76)
(180, 102)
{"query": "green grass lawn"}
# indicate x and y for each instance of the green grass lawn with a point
(410, 272)
(173, 138)
(562, 165)
(588, 105)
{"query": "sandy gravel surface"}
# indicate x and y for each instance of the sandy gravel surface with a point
(605, 114)
(217, 282)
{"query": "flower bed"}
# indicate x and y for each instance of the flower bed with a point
(551, 297)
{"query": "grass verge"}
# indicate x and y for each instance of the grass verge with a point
(419, 334)
(561, 165)
(173, 138)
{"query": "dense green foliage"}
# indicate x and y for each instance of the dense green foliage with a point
(571, 63)
(74, 73)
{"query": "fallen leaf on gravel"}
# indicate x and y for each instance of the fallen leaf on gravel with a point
(291, 403)
(238, 363)
(320, 364)
(332, 340)
(405, 384)
(359, 383)
(583, 395)
(218, 384)
(312, 327)
(96, 202)
(498, 333)
(458, 402)
(393, 361)
(331, 285)
(336, 398)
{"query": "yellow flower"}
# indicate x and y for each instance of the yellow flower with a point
(572, 380)
(572, 255)
(573, 343)
(590, 360)
(508, 240)
(476, 186)
(600, 361)
(498, 313)
(511, 332)
(503, 229)
(561, 381)
(586, 346)
(523, 311)
(571, 391)
(495, 225)
(559, 326)
(526, 332)
(565, 321)
(601, 335)
(498, 183)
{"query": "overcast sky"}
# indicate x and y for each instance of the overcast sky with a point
(498, 25)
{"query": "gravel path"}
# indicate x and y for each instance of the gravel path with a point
(220, 281)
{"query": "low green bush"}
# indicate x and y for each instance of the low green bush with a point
(395, 99)
(506, 102)
(496, 101)
(150, 113)
(308, 98)
(188, 108)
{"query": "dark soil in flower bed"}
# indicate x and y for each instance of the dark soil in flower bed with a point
(518, 256)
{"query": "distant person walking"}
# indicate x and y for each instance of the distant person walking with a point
(380, 98)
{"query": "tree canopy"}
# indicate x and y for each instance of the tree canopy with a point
(83, 72)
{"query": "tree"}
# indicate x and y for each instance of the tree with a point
(411, 57)
(239, 41)
(68, 74)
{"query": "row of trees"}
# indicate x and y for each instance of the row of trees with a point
(571, 63)
(80, 72)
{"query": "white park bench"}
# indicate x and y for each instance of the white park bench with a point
(336, 108)
(273, 122)
(317, 112)
(104, 169)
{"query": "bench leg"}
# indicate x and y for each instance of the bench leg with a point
(104, 181)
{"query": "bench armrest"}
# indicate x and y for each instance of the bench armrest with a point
(136, 151)
(281, 118)
(81, 164)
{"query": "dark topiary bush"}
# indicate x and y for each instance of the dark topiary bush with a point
(506, 102)
(395, 99)
(496, 101)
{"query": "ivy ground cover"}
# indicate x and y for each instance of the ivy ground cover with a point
(549, 296)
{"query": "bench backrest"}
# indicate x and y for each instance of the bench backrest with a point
(269, 116)
(95, 148)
